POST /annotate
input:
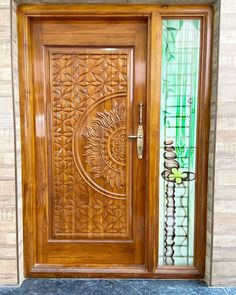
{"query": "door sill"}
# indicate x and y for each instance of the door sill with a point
(138, 272)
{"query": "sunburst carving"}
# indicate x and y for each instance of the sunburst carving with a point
(105, 150)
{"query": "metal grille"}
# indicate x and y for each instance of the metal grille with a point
(180, 68)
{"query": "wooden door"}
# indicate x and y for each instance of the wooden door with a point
(91, 207)
(89, 77)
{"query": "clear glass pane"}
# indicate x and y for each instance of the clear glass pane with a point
(180, 70)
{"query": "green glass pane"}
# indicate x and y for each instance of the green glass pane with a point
(180, 70)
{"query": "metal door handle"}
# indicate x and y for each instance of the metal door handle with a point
(140, 133)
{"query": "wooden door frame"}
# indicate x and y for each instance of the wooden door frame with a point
(154, 15)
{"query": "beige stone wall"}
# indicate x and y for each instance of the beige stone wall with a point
(211, 161)
(221, 232)
(224, 212)
(8, 236)
(15, 89)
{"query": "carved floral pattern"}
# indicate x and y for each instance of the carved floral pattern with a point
(77, 81)
(105, 151)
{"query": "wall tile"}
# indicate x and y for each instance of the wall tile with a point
(224, 241)
(223, 223)
(225, 192)
(224, 268)
(228, 7)
(225, 206)
(225, 254)
(8, 272)
(8, 258)
(18, 141)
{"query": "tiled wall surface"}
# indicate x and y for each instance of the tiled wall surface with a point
(16, 104)
(224, 214)
(211, 161)
(221, 246)
(8, 240)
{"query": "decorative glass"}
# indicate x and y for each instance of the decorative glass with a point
(179, 100)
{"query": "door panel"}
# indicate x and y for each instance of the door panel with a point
(91, 173)
(88, 79)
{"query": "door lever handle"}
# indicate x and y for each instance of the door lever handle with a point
(134, 137)
(140, 133)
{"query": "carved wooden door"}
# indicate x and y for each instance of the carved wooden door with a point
(88, 78)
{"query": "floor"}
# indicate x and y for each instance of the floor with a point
(113, 287)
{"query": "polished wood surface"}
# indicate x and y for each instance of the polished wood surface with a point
(90, 199)
(91, 157)
(90, 206)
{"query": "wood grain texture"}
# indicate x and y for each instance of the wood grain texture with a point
(137, 256)
(203, 142)
(85, 100)
(89, 148)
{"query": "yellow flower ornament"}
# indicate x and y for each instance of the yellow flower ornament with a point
(177, 175)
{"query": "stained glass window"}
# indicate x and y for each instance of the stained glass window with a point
(180, 75)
